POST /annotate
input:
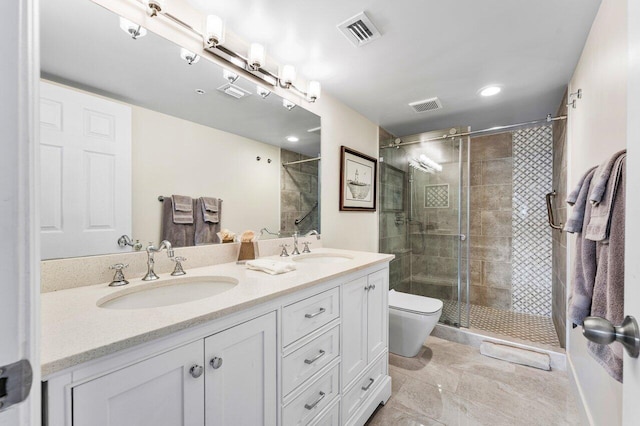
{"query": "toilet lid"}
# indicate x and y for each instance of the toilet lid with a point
(414, 303)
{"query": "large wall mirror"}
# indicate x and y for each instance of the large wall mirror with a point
(127, 120)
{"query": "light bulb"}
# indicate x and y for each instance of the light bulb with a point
(314, 90)
(288, 75)
(131, 28)
(189, 56)
(214, 30)
(292, 138)
(256, 56)
(263, 92)
(229, 75)
(490, 91)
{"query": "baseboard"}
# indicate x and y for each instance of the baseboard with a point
(585, 414)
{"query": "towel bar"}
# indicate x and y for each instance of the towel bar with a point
(552, 222)
(162, 197)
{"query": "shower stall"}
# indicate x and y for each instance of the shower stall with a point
(466, 218)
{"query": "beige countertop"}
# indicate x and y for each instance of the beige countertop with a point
(76, 330)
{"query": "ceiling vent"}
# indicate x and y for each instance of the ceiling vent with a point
(426, 105)
(359, 30)
(233, 91)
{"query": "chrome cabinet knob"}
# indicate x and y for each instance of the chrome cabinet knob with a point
(215, 362)
(196, 371)
(602, 332)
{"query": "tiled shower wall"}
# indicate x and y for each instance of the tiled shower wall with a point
(298, 194)
(559, 265)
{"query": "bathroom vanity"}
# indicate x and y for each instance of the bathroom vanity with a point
(305, 347)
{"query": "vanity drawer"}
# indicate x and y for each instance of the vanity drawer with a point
(357, 395)
(301, 318)
(330, 417)
(313, 400)
(298, 366)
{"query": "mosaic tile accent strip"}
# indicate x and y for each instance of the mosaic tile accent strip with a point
(532, 249)
(532, 328)
(436, 196)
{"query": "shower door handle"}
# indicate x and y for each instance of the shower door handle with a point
(552, 222)
(602, 332)
(462, 237)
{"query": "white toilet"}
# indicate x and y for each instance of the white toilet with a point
(411, 320)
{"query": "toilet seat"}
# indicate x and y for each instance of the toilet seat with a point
(413, 303)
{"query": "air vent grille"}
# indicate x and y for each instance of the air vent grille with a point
(233, 91)
(359, 30)
(426, 105)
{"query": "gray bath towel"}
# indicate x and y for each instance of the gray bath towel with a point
(583, 276)
(209, 208)
(602, 178)
(598, 226)
(182, 209)
(576, 218)
(178, 234)
(608, 291)
(573, 195)
(206, 230)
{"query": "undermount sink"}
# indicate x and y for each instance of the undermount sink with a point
(167, 292)
(322, 258)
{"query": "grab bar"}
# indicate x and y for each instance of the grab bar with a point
(297, 221)
(552, 222)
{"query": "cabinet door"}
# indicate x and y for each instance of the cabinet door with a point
(354, 329)
(377, 315)
(159, 391)
(240, 385)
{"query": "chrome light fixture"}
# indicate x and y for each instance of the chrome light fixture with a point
(230, 76)
(213, 40)
(263, 92)
(189, 56)
(288, 104)
(133, 29)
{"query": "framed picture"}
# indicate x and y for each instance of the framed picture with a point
(357, 181)
(392, 188)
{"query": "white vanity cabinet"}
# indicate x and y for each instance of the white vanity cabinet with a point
(228, 378)
(315, 356)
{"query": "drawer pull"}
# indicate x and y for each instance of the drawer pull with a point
(316, 402)
(321, 311)
(366, 388)
(315, 358)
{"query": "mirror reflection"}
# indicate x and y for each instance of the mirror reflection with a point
(128, 118)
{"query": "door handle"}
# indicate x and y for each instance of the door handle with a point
(602, 332)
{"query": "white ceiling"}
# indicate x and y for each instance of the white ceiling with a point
(444, 48)
(94, 54)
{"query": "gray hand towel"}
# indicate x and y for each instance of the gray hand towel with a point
(179, 234)
(182, 209)
(608, 291)
(576, 218)
(583, 276)
(573, 195)
(602, 178)
(598, 227)
(209, 208)
(207, 231)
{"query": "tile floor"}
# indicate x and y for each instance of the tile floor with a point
(452, 384)
(532, 328)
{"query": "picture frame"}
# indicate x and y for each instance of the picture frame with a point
(358, 181)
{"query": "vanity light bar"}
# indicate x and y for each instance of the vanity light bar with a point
(213, 40)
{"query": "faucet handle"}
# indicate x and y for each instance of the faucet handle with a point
(178, 270)
(306, 247)
(284, 253)
(118, 277)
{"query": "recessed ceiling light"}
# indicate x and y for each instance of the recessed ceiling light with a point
(200, 92)
(490, 91)
(292, 139)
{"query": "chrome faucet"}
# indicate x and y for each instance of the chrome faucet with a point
(313, 232)
(151, 249)
(295, 251)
